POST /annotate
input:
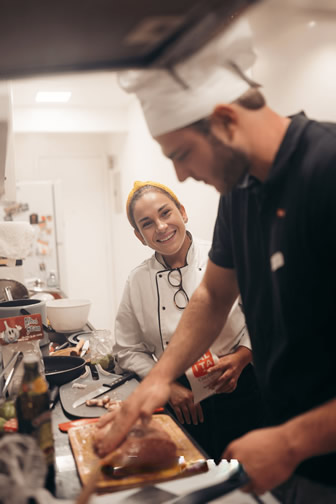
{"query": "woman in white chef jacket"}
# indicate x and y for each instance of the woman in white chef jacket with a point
(155, 295)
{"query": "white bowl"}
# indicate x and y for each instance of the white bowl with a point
(68, 315)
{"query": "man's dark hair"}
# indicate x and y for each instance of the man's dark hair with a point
(251, 100)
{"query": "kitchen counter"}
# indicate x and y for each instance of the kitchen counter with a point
(66, 477)
(68, 485)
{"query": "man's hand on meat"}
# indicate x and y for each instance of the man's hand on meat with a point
(231, 367)
(113, 427)
(147, 448)
(182, 401)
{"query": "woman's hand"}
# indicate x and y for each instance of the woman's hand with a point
(182, 401)
(230, 366)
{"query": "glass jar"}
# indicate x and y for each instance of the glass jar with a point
(101, 347)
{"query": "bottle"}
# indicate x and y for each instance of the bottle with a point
(43, 274)
(52, 279)
(33, 413)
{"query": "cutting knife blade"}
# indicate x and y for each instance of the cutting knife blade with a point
(91, 395)
(102, 389)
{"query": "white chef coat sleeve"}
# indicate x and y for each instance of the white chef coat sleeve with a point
(131, 352)
(243, 335)
(237, 324)
(245, 339)
(234, 332)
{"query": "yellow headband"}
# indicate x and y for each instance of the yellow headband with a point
(138, 185)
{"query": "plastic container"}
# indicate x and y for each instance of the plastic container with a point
(101, 346)
(68, 315)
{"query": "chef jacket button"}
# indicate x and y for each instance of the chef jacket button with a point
(163, 307)
(167, 342)
(200, 269)
(160, 276)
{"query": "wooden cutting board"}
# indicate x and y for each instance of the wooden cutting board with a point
(193, 462)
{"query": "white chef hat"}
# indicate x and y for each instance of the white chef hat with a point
(176, 97)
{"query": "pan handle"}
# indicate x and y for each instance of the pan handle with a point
(239, 479)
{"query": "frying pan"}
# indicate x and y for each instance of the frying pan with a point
(62, 369)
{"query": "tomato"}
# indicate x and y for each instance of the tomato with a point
(11, 425)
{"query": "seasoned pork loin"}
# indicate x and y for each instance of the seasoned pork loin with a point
(146, 448)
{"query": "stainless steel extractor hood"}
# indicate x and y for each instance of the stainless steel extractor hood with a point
(44, 36)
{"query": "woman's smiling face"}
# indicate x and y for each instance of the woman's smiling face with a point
(161, 225)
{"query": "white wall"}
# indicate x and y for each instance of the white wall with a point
(296, 58)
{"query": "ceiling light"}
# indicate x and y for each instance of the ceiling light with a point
(311, 24)
(52, 96)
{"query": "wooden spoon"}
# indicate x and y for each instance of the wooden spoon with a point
(76, 351)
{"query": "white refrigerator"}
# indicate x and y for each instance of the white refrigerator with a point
(40, 202)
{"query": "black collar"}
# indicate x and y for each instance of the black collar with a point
(287, 148)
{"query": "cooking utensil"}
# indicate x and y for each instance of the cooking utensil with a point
(65, 426)
(85, 348)
(61, 347)
(75, 337)
(16, 289)
(94, 371)
(62, 369)
(8, 293)
(67, 315)
(78, 348)
(9, 363)
(105, 387)
(19, 358)
(237, 480)
(53, 396)
(82, 448)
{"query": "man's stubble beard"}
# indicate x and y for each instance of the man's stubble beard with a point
(230, 165)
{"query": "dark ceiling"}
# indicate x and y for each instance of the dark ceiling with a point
(44, 36)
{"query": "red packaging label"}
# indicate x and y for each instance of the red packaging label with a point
(203, 364)
(21, 328)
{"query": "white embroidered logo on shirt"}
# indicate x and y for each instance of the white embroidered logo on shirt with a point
(277, 261)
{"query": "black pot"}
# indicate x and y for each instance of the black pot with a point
(63, 369)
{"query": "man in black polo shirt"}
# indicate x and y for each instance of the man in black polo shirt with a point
(274, 242)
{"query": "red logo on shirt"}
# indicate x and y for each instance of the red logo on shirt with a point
(203, 364)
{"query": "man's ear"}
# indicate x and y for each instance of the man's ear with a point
(184, 214)
(223, 121)
(140, 237)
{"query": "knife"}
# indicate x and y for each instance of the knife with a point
(105, 387)
(19, 358)
(85, 348)
(237, 480)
